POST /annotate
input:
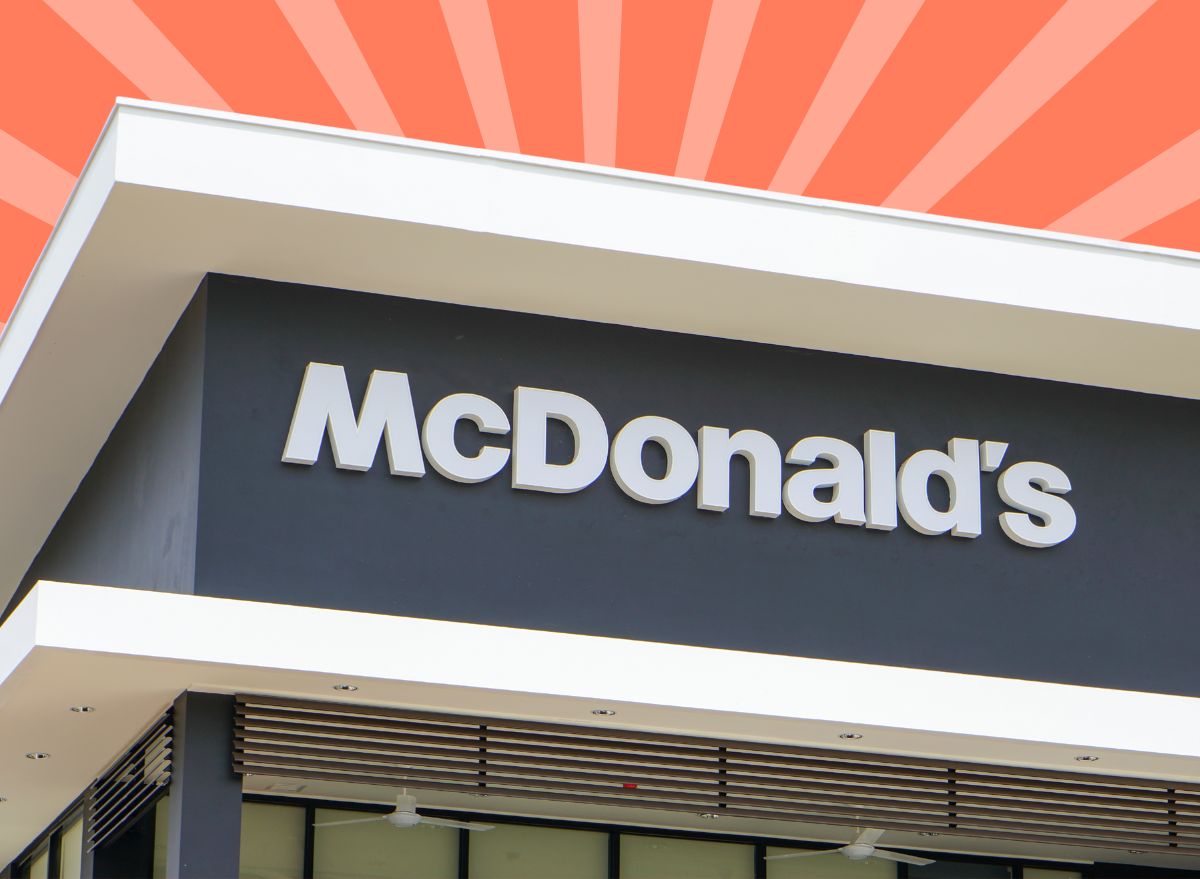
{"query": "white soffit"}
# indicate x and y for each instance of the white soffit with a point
(128, 652)
(171, 193)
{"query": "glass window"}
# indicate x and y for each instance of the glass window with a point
(70, 847)
(515, 852)
(272, 842)
(657, 857)
(379, 851)
(39, 867)
(832, 866)
(1038, 873)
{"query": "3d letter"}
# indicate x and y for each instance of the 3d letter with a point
(531, 471)
(387, 412)
(845, 477)
(960, 471)
(879, 453)
(437, 437)
(683, 461)
(1033, 487)
(759, 450)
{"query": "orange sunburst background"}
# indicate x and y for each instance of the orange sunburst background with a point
(1076, 115)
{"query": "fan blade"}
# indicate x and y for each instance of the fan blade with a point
(904, 859)
(809, 854)
(868, 836)
(459, 825)
(352, 821)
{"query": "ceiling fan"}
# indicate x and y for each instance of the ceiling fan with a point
(406, 815)
(862, 848)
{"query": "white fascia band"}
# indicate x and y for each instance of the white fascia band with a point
(359, 646)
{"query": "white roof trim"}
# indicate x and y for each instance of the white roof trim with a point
(70, 644)
(170, 193)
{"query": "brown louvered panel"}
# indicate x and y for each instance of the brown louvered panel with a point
(125, 790)
(648, 771)
(352, 715)
(794, 807)
(596, 765)
(889, 769)
(269, 746)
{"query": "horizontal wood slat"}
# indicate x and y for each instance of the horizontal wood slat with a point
(603, 766)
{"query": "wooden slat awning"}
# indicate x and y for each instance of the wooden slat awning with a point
(615, 767)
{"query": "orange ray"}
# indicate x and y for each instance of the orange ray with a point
(45, 64)
(600, 74)
(539, 51)
(319, 25)
(1181, 229)
(123, 34)
(470, 26)
(874, 35)
(408, 48)
(1077, 33)
(1165, 184)
(792, 43)
(31, 182)
(249, 54)
(913, 101)
(660, 50)
(1131, 103)
(725, 41)
(23, 236)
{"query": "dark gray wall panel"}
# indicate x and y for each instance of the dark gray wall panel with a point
(132, 521)
(204, 813)
(1113, 606)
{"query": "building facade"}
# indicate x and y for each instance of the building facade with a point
(431, 512)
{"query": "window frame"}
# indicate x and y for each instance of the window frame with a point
(50, 841)
(760, 844)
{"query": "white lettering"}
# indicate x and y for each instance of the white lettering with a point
(761, 452)
(683, 461)
(960, 471)
(437, 437)
(879, 454)
(1034, 487)
(845, 478)
(387, 412)
(991, 455)
(855, 489)
(532, 407)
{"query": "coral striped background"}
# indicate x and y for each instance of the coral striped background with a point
(1076, 115)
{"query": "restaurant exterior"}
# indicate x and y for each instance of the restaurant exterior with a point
(383, 509)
